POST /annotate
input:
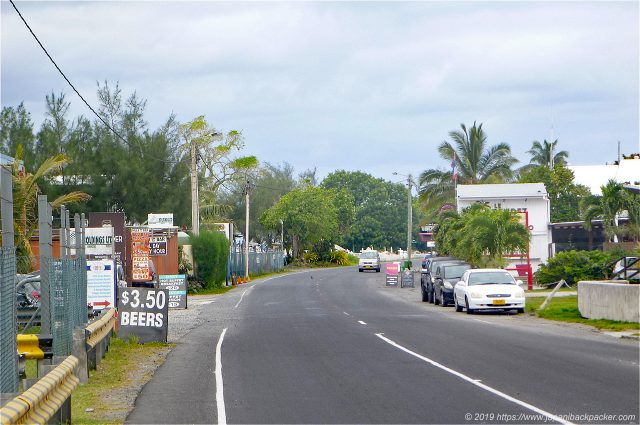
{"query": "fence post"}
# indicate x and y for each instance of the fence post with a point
(8, 344)
(46, 253)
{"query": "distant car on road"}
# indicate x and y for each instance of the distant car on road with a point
(488, 289)
(369, 260)
(446, 277)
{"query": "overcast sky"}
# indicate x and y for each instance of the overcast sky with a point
(371, 86)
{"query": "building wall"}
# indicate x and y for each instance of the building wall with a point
(538, 210)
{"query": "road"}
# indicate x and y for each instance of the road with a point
(337, 346)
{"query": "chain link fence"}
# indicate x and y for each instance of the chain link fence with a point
(260, 261)
(8, 345)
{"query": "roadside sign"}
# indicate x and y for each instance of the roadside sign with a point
(140, 254)
(160, 221)
(391, 272)
(158, 245)
(392, 268)
(176, 284)
(144, 313)
(101, 283)
(407, 279)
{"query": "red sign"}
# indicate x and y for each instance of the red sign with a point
(140, 254)
(392, 268)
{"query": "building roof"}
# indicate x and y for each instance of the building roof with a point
(595, 176)
(515, 190)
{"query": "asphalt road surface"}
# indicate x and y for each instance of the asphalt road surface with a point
(337, 346)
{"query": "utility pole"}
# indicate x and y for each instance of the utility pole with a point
(409, 217)
(195, 208)
(247, 190)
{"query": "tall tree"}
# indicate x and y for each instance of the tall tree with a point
(474, 162)
(16, 129)
(607, 208)
(547, 154)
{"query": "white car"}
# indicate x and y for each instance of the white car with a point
(488, 289)
(369, 260)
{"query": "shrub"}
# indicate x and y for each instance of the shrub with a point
(323, 249)
(310, 257)
(340, 258)
(210, 253)
(574, 266)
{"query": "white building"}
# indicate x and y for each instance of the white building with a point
(530, 199)
(627, 171)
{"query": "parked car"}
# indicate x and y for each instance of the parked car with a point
(426, 279)
(369, 260)
(425, 262)
(446, 277)
(488, 289)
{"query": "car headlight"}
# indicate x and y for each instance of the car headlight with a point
(476, 295)
(448, 284)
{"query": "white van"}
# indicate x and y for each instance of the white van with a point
(369, 260)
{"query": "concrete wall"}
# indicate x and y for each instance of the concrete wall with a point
(608, 300)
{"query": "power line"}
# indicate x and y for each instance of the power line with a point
(76, 90)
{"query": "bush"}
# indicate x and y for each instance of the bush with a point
(310, 257)
(340, 258)
(210, 254)
(574, 266)
(323, 249)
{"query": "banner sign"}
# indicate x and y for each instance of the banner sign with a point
(114, 220)
(98, 241)
(101, 276)
(140, 254)
(176, 284)
(391, 271)
(160, 221)
(144, 313)
(226, 228)
(158, 245)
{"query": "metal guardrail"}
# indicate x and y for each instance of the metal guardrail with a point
(35, 346)
(39, 403)
(96, 331)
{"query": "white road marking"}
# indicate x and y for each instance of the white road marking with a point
(476, 382)
(345, 313)
(483, 321)
(243, 294)
(361, 322)
(222, 414)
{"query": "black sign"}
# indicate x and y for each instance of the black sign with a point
(176, 284)
(392, 279)
(158, 248)
(143, 312)
(407, 279)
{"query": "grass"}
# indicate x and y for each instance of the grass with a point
(212, 291)
(103, 394)
(565, 309)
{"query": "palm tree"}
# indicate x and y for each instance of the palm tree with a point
(546, 153)
(25, 203)
(475, 163)
(606, 207)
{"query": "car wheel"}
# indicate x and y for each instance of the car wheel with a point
(424, 294)
(442, 303)
(520, 310)
(469, 311)
(455, 302)
(436, 299)
(360, 270)
(378, 270)
(430, 295)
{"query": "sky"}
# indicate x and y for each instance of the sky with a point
(370, 86)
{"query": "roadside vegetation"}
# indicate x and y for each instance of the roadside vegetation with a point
(565, 309)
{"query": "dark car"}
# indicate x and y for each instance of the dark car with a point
(425, 275)
(446, 277)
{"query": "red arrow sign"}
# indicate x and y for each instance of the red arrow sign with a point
(104, 303)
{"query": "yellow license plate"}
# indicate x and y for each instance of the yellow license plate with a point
(499, 302)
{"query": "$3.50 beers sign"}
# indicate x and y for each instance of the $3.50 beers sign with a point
(143, 312)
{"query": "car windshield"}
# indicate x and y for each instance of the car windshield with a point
(369, 255)
(452, 272)
(488, 278)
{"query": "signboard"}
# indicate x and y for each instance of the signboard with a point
(101, 283)
(140, 254)
(158, 245)
(160, 221)
(391, 271)
(226, 228)
(144, 313)
(176, 284)
(114, 220)
(98, 241)
(407, 279)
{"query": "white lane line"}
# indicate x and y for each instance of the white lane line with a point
(243, 294)
(483, 321)
(361, 322)
(222, 414)
(345, 313)
(476, 382)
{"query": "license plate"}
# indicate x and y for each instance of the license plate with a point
(499, 302)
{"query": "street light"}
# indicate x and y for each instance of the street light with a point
(409, 211)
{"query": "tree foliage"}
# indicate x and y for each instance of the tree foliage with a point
(543, 153)
(481, 235)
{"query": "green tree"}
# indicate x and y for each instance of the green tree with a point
(311, 215)
(541, 154)
(607, 208)
(16, 129)
(475, 162)
(564, 195)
